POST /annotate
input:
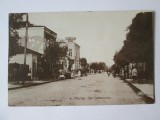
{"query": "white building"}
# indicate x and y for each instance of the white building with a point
(39, 37)
(73, 52)
(72, 55)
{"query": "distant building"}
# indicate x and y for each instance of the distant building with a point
(39, 38)
(73, 52)
(64, 61)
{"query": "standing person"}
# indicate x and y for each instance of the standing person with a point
(125, 72)
(140, 75)
(130, 73)
(79, 75)
(134, 74)
(29, 76)
(122, 73)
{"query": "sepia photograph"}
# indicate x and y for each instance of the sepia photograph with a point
(81, 58)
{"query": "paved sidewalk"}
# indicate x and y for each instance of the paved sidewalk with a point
(12, 86)
(147, 89)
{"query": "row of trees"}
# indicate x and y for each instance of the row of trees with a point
(98, 66)
(139, 45)
(95, 65)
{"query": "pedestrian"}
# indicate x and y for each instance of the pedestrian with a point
(108, 73)
(134, 74)
(122, 73)
(79, 75)
(29, 75)
(130, 73)
(125, 72)
(140, 75)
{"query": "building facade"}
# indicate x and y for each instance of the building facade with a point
(39, 38)
(73, 52)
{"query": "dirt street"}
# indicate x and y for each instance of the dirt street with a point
(95, 89)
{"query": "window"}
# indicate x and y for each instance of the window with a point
(70, 52)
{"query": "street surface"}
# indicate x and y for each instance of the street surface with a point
(95, 89)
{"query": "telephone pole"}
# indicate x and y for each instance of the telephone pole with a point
(25, 48)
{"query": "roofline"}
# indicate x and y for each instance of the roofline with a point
(44, 28)
(29, 50)
(77, 45)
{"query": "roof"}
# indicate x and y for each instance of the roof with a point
(20, 50)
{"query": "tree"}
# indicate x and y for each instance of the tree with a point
(139, 40)
(94, 66)
(98, 66)
(101, 66)
(141, 32)
(138, 46)
(16, 22)
(52, 56)
(140, 36)
(83, 62)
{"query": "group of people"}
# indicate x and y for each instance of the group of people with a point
(136, 75)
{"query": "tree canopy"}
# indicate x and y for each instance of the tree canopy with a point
(53, 54)
(15, 22)
(138, 46)
(83, 62)
(98, 66)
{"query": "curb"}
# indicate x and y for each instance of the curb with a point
(147, 99)
(30, 85)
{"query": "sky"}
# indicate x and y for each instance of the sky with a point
(99, 34)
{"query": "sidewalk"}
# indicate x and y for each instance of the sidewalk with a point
(12, 86)
(147, 89)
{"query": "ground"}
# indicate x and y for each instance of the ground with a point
(95, 89)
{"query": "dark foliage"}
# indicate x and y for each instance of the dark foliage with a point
(83, 62)
(139, 44)
(16, 22)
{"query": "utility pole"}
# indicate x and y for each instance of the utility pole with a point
(25, 48)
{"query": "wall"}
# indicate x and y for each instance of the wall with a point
(36, 38)
(19, 58)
